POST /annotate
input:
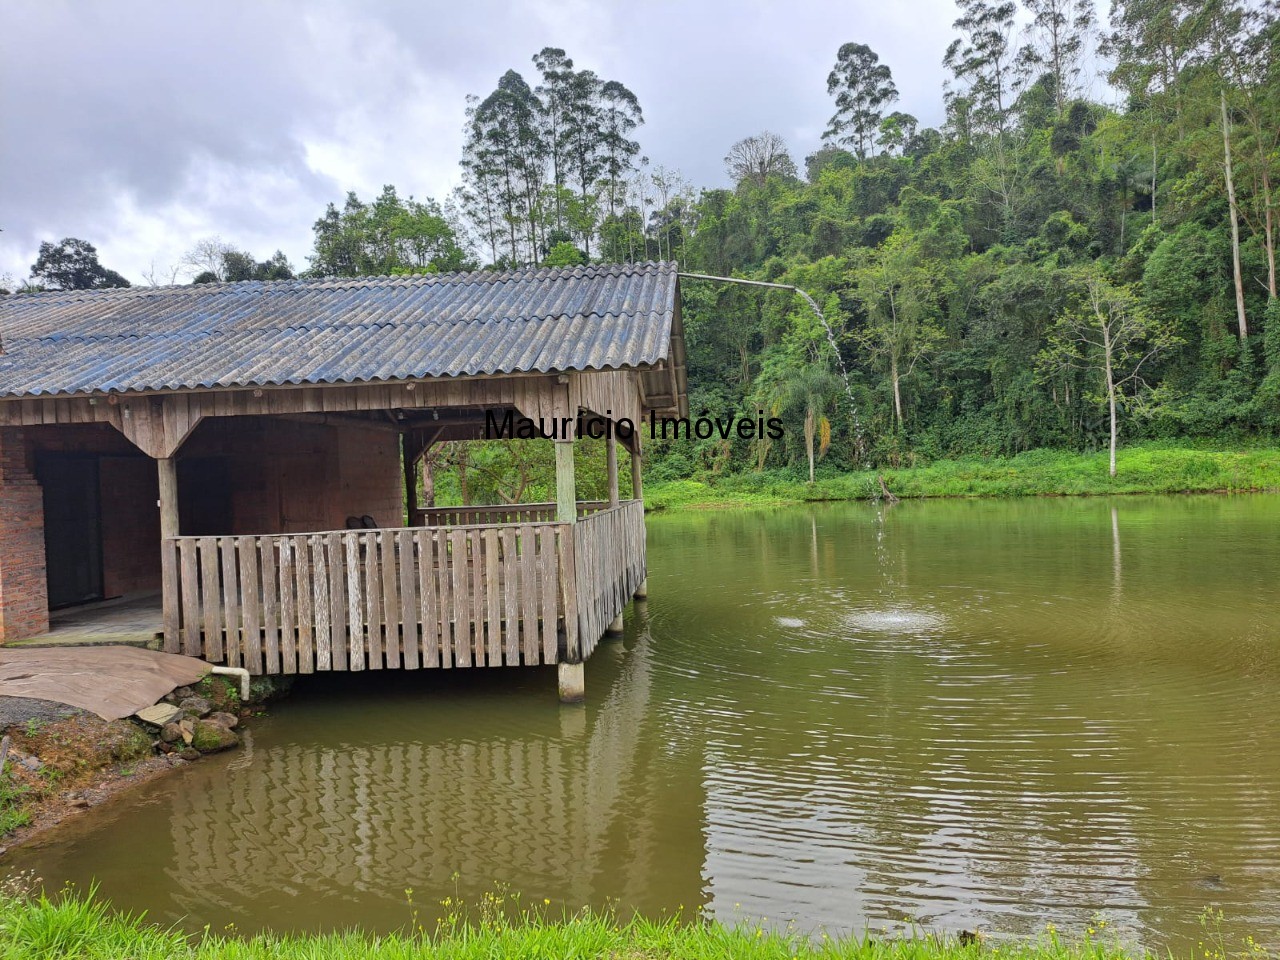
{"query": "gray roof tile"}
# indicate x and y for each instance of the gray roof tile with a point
(261, 333)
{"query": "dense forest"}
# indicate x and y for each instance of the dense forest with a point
(1044, 270)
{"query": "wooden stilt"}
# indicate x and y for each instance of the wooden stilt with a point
(572, 681)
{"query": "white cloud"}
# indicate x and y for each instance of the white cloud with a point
(146, 125)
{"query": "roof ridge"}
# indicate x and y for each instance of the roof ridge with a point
(385, 279)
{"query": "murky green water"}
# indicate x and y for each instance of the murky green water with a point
(979, 714)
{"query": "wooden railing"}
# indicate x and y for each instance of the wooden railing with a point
(609, 557)
(502, 513)
(448, 596)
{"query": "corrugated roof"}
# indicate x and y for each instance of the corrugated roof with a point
(261, 333)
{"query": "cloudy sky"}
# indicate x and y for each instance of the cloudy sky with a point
(146, 126)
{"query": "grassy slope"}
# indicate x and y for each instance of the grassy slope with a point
(71, 926)
(1143, 469)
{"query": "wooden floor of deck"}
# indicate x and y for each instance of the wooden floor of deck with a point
(135, 620)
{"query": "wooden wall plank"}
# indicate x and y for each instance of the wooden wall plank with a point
(390, 598)
(323, 630)
(250, 594)
(410, 629)
(528, 596)
(210, 598)
(288, 606)
(492, 597)
(191, 620)
(339, 636)
(305, 610)
(424, 548)
(171, 593)
(231, 599)
(460, 606)
(373, 599)
(270, 604)
(355, 602)
(510, 579)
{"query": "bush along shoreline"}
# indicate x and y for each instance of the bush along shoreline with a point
(73, 924)
(1037, 473)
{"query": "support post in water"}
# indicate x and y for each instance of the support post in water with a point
(615, 627)
(573, 682)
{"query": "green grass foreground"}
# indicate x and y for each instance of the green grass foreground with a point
(73, 926)
(1046, 473)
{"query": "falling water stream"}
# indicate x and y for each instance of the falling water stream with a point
(831, 339)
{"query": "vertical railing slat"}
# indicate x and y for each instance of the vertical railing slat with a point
(251, 605)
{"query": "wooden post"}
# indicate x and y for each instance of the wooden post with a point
(170, 592)
(637, 493)
(570, 671)
(637, 481)
(566, 490)
(572, 682)
(168, 497)
(612, 470)
(409, 459)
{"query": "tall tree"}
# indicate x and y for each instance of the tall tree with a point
(1106, 331)
(756, 159)
(72, 264)
(1059, 37)
(554, 95)
(861, 85)
(982, 61)
(619, 115)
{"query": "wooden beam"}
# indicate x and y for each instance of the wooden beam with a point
(168, 474)
(409, 455)
(611, 467)
(566, 489)
(637, 478)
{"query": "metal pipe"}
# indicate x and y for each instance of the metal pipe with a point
(240, 672)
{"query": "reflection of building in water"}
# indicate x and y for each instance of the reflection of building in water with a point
(574, 817)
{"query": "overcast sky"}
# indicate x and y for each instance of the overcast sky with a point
(143, 127)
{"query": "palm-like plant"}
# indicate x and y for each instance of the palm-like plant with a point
(811, 389)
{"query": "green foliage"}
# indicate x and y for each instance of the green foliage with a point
(70, 925)
(1150, 468)
(72, 264)
(391, 235)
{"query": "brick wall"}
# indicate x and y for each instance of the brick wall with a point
(285, 477)
(291, 477)
(24, 607)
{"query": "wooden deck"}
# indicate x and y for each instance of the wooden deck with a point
(133, 621)
(477, 586)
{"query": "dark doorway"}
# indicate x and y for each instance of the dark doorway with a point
(72, 529)
(204, 497)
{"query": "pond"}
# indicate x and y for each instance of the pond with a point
(964, 715)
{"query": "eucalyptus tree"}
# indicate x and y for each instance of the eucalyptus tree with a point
(1060, 31)
(583, 133)
(861, 85)
(982, 62)
(620, 115)
(554, 94)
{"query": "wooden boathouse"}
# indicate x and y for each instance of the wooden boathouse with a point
(247, 456)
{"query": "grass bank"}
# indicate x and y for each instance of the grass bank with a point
(1140, 469)
(68, 925)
